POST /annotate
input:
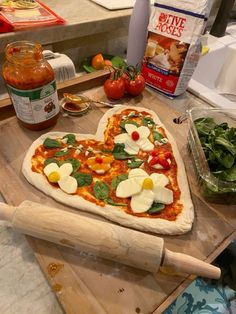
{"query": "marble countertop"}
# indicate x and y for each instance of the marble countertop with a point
(83, 18)
(23, 287)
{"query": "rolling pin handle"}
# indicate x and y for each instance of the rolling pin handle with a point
(190, 265)
(7, 212)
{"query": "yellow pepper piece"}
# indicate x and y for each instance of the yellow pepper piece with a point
(54, 177)
(108, 159)
(148, 184)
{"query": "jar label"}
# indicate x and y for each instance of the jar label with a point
(35, 105)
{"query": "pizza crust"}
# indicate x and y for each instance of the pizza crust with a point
(181, 225)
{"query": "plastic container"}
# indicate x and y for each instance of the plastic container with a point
(31, 85)
(211, 188)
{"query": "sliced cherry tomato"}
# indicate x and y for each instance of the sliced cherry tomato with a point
(98, 62)
(114, 88)
(160, 157)
(136, 85)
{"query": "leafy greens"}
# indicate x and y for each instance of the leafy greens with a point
(219, 145)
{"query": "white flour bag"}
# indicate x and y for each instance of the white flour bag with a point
(173, 45)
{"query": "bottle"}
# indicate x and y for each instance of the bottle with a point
(31, 85)
(221, 21)
(138, 30)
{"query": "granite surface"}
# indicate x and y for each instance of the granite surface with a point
(90, 29)
(83, 18)
(23, 287)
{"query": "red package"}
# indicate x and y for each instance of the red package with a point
(27, 14)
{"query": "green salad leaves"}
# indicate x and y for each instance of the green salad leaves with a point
(219, 145)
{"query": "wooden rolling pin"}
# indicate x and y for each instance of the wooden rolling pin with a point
(103, 239)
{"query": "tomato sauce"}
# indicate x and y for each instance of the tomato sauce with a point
(170, 212)
(31, 85)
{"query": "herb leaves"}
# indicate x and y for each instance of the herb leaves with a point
(219, 145)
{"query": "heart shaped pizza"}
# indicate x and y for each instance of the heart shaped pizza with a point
(129, 172)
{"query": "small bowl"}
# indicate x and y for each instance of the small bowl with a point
(73, 109)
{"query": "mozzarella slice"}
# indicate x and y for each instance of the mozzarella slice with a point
(66, 169)
(138, 173)
(130, 128)
(159, 179)
(68, 184)
(163, 195)
(50, 168)
(121, 138)
(144, 131)
(141, 202)
(131, 147)
(128, 188)
(145, 144)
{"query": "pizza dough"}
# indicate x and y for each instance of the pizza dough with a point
(181, 224)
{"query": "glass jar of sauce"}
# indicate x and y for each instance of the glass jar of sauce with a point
(31, 85)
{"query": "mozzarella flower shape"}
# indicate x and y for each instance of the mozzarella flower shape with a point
(100, 164)
(61, 175)
(144, 190)
(136, 138)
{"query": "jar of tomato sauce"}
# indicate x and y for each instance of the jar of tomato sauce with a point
(31, 85)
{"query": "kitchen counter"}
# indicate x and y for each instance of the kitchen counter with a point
(23, 287)
(90, 29)
(83, 18)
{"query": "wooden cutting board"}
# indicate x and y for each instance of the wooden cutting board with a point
(85, 283)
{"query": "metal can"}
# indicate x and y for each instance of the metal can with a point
(31, 85)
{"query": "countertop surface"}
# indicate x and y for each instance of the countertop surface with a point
(83, 18)
(23, 287)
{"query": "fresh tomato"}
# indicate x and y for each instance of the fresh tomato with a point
(107, 63)
(114, 87)
(98, 62)
(136, 85)
(125, 78)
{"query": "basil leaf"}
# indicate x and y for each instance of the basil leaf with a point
(132, 114)
(111, 202)
(134, 163)
(230, 174)
(123, 123)
(70, 138)
(157, 136)
(156, 208)
(51, 143)
(83, 179)
(116, 180)
(147, 121)
(61, 153)
(75, 163)
(204, 125)
(101, 190)
(50, 160)
(119, 152)
(106, 151)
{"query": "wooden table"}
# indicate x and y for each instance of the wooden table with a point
(85, 283)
